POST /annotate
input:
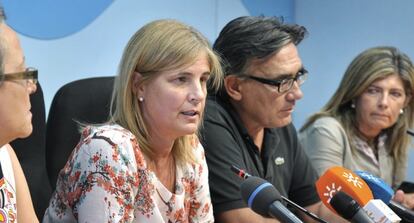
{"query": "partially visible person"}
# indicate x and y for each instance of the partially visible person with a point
(364, 124)
(16, 84)
(248, 123)
(146, 164)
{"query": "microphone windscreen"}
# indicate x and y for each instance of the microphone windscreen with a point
(380, 189)
(344, 205)
(259, 194)
(341, 179)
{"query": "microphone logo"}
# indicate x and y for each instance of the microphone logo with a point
(369, 177)
(352, 179)
(341, 179)
(331, 191)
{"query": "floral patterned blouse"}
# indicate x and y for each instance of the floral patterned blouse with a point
(106, 179)
(8, 205)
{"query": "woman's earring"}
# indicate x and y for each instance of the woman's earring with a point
(141, 99)
(352, 105)
(401, 111)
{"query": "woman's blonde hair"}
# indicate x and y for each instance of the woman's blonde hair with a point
(371, 65)
(159, 46)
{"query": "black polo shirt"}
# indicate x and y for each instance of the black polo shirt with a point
(282, 161)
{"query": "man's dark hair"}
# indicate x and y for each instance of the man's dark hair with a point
(254, 37)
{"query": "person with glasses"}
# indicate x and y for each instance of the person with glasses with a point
(248, 122)
(364, 124)
(16, 85)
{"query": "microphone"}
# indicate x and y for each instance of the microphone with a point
(380, 189)
(383, 191)
(341, 179)
(380, 212)
(349, 182)
(349, 209)
(244, 175)
(263, 198)
(406, 214)
(240, 172)
(410, 132)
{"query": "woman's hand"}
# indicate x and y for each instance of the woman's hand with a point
(406, 199)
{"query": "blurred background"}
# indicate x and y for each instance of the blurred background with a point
(69, 40)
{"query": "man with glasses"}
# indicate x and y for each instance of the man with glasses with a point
(248, 123)
(16, 84)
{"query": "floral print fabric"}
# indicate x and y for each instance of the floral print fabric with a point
(106, 179)
(8, 205)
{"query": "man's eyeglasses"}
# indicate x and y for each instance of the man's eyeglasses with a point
(29, 75)
(283, 85)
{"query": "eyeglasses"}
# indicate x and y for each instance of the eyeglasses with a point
(30, 75)
(283, 85)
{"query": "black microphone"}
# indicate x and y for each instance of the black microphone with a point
(263, 198)
(410, 132)
(240, 172)
(404, 213)
(244, 175)
(349, 209)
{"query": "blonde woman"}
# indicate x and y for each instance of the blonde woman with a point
(364, 124)
(146, 164)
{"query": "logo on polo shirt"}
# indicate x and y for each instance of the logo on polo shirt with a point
(279, 161)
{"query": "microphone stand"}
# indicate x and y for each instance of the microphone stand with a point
(308, 213)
